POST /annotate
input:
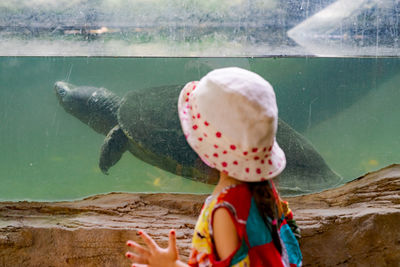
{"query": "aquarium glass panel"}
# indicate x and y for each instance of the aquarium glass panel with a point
(347, 108)
(199, 28)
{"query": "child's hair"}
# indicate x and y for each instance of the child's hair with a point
(269, 206)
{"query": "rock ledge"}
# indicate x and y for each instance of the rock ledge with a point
(356, 224)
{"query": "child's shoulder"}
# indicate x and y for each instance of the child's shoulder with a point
(236, 197)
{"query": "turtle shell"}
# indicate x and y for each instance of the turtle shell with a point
(149, 117)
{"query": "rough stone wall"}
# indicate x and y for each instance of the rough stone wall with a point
(356, 224)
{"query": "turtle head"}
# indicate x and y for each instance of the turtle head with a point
(96, 107)
(64, 91)
(68, 94)
(74, 99)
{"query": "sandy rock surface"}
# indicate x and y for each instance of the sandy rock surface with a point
(357, 224)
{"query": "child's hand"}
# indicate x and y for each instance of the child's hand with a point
(153, 255)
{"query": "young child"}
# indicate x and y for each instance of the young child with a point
(230, 119)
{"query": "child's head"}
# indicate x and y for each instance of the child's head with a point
(230, 119)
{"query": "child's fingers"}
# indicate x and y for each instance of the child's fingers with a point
(138, 249)
(148, 240)
(172, 240)
(135, 258)
(138, 265)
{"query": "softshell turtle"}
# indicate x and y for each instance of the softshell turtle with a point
(145, 122)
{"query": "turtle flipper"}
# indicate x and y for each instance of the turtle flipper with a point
(115, 144)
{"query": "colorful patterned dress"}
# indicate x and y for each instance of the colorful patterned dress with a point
(257, 247)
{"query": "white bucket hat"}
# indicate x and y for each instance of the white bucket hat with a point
(230, 119)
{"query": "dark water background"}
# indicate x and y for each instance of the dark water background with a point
(347, 107)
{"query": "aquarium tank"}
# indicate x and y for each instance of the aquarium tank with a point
(334, 65)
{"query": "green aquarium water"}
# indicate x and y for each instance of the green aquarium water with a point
(347, 107)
